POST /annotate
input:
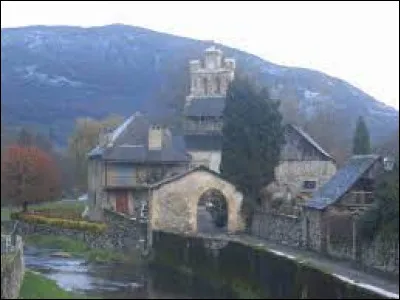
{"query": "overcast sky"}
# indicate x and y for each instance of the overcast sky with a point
(355, 41)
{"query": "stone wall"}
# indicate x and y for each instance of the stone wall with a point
(12, 271)
(251, 272)
(173, 206)
(310, 231)
(381, 255)
(281, 229)
(122, 233)
(292, 174)
(339, 234)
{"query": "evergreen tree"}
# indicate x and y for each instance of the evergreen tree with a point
(252, 138)
(361, 141)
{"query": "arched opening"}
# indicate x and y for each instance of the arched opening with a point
(212, 212)
(205, 86)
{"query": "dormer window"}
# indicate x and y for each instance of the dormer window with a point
(388, 163)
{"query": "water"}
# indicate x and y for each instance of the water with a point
(119, 281)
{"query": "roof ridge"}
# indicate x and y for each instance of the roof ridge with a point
(311, 140)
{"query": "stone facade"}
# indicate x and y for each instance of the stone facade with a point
(303, 168)
(108, 179)
(12, 271)
(313, 236)
(96, 193)
(282, 229)
(173, 206)
(209, 81)
(211, 77)
(211, 159)
(293, 174)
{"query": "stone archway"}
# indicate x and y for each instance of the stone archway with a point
(174, 202)
(212, 212)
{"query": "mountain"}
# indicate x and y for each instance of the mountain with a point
(52, 75)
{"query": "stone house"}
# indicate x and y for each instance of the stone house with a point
(137, 154)
(304, 167)
(330, 216)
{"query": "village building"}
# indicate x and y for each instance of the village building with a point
(209, 80)
(137, 154)
(144, 151)
(330, 216)
(303, 168)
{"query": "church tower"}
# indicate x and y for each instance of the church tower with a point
(209, 80)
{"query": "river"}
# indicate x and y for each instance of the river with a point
(119, 281)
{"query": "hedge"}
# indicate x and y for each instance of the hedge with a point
(59, 222)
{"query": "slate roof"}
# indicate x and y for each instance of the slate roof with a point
(205, 106)
(129, 143)
(311, 141)
(203, 142)
(342, 181)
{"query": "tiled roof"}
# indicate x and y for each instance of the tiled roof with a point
(342, 181)
(205, 106)
(129, 142)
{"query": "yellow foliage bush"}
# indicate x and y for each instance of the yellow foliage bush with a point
(59, 222)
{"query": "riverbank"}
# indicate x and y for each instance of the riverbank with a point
(79, 249)
(263, 269)
(36, 286)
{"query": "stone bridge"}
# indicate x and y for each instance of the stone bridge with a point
(173, 204)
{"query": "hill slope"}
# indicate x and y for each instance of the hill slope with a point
(52, 75)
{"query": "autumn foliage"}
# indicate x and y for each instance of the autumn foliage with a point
(28, 175)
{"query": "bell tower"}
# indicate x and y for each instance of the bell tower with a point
(209, 81)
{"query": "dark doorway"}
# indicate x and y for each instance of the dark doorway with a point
(212, 212)
(121, 202)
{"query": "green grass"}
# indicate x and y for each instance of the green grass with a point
(36, 286)
(80, 249)
(66, 209)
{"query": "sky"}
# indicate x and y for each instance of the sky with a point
(354, 41)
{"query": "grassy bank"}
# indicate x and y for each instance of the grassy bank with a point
(80, 249)
(36, 286)
(66, 209)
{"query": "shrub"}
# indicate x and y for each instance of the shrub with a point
(63, 223)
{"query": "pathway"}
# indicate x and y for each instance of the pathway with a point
(340, 269)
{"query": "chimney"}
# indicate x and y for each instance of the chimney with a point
(155, 137)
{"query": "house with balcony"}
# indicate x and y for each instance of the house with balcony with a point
(140, 152)
(331, 215)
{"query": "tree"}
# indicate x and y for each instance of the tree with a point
(383, 218)
(28, 175)
(361, 141)
(252, 138)
(83, 139)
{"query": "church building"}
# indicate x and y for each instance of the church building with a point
(209, 80)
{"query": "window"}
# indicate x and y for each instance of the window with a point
(218, 83)
(143, 210)
(205, 86)
(309, 184)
